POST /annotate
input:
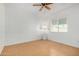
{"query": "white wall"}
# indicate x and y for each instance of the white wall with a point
(2, 26)
(20, 23)
(22, 20)
(72, 36)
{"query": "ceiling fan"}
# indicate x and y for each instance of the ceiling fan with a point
(43, 5)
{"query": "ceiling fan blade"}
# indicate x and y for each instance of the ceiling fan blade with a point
(36, 4)
(48, 3)
(41, 8)
(47, 7)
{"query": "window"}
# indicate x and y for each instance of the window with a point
(59, 25)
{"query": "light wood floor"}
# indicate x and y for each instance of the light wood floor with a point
(40, 48)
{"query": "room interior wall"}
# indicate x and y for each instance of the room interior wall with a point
(72, 36)
(20, 24)
(2, 26)
(22, 21)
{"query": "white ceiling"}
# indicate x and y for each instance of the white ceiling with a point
(34, 10)
(55, 7)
